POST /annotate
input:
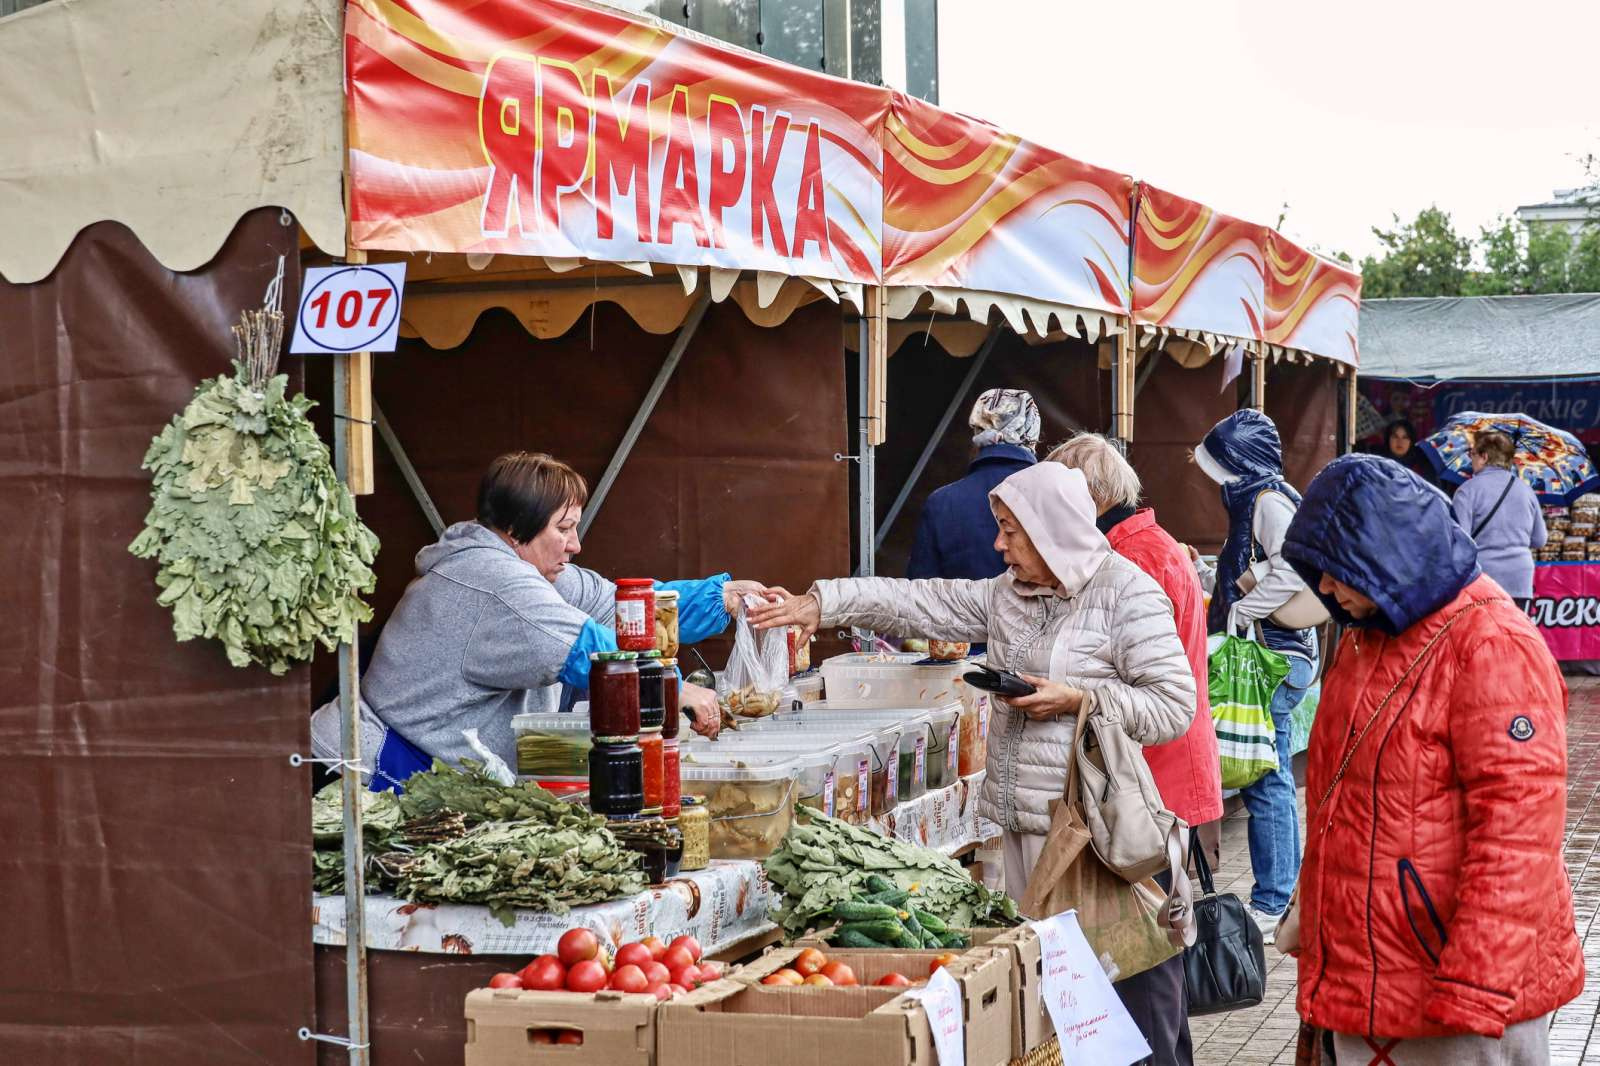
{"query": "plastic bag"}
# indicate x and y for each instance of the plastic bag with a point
(1243, 677)
(758, 669)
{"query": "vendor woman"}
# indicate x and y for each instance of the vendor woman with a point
(498, 618)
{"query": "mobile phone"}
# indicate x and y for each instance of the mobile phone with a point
(1000, 682)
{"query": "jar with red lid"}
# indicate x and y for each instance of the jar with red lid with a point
(669, 698)
(671, 779)
(652, 698)
(653, 755)
(614, 694)
(636, 614)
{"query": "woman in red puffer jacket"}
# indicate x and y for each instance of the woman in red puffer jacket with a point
(1435, 908)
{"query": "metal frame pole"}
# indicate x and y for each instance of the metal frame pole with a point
(351, 787)
(680, 344)
(407, 471)
(866, 503)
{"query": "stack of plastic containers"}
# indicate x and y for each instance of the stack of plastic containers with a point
(867, 768)
(906, 680)
(750, 800)
(553, 749)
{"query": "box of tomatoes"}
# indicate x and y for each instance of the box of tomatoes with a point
(775, 1003)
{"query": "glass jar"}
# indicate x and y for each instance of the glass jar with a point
(694, 821)
(652, 698)
(669, 698)
(671, 778)
(653, 752)
(616, 780)
(667, 623)
(636, 614)
(614, 694)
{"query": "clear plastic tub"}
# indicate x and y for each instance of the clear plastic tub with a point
(815, 761)
(973, 752)
(807, 687)
(859, 679)
(912, 775)
(553, 750)
(878, 736)
(855, 752)
(944, 745)
(751, 803)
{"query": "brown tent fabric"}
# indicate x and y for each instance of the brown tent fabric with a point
(156, 865)
(1174, 411)
(1304, 401)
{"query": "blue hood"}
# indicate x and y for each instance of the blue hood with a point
(1386, 533)
(1247, 444)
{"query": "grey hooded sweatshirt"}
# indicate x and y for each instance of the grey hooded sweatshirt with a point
(478, 637)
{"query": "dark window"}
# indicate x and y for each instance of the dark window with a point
(794, 32)
(922, 49)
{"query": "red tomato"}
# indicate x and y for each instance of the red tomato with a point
(678, 990)
(569, 1036)
(633, 955)
(893, 980)
(689, 944)
(628, 978)
(541, 1036)
(577, 945)
(657, 948)
(676, 958)
(587, 976)
(656, 973)
(819, 980)
(687, 976)
(784, 976)
(710, 971)
(839, 974)
(544, 974)
(940, 961)
(809, 961)
(661, 991)
(505, 980)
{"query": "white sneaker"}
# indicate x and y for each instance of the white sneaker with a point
(1267, 923)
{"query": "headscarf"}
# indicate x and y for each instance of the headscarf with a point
(1004, 416)
(1053, 506)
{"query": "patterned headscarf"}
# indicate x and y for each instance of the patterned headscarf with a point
(1005, 416)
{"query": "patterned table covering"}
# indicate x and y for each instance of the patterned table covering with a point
(719, 906)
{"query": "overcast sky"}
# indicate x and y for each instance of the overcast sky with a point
(1348, 112)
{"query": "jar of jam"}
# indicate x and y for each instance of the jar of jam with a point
(616, 780)
(636, 614)
(669, 698)
(671, 779)
(614, 694)
(653, 749)
(652, 705)
(694, 821)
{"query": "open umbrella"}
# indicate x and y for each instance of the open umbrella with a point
(1552, 461)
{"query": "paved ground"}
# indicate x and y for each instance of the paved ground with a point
(1266, 1034)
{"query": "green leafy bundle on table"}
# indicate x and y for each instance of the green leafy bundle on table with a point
(472, 792)
(831, 872)
(381, 820)
(259, 542)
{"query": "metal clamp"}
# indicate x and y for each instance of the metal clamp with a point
(340, 1041)
(840, 457)
(353, 418)
(296, 759)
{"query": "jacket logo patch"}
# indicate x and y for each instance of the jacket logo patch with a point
(1521, 728)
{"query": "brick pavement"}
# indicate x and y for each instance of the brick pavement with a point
(1265, 1034)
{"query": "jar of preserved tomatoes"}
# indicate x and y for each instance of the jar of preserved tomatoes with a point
(669, 698)
(614, 694)
(616, 780)
(671, 779)
(636, 614)
(652, 697)
(653, 753)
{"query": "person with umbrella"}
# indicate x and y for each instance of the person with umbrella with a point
(1502, 515)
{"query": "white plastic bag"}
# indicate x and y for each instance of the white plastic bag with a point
(758, 669)
(493, 765)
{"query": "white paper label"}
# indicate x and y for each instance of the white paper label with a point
(952, 752)
(349, 309)
(864, 786)
(920, 773)
(827, 794)
(1090, 1020)
(941, 1002)
(630, 618)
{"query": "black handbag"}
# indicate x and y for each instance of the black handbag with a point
(1226, 968)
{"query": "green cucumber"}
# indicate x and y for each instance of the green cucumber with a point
(931, 922)
(885, 932)
(895, 897)
(858, 911)
(879, 883)
(850, 938)
(909, 920)
(908, 940)
(953, 939)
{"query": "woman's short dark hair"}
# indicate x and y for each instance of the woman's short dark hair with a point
(1400, 423)
(1494, 447)
(523, 491)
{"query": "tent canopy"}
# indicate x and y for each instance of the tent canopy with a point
(1483, 337)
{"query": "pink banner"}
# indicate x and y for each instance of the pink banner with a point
(1566, 608)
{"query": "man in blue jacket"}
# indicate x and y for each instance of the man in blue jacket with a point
(956, 535)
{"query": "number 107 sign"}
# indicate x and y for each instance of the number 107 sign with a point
(349, 309)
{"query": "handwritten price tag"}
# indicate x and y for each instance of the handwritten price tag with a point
(349, 309)
(941, 1002)
(1090, 1020)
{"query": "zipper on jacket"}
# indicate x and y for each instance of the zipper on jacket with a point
(1019, 720)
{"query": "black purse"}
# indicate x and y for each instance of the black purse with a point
(1226, 968)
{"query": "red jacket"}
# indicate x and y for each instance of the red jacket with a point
(1188, 771)
(1433, 894)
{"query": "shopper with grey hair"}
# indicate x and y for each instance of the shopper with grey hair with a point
(955, 537)
(1187, 770)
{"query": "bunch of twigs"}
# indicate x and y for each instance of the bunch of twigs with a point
(259, 335)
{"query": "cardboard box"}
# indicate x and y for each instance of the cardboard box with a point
(1031, 1024)
(618, 1029)
(984, 973)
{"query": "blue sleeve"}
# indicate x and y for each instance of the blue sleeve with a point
(594, 637)
(700, 610)
(924, 552)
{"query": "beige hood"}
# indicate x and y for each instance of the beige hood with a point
(1053, 504)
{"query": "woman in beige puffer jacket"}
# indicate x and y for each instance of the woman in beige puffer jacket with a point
(1088, 627)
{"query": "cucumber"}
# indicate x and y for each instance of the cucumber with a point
(908, 940)
(930, 939)
(850, 938)
(853, 910)
(884, 932)
(953, 940)
(931, 922)
(879, 883)
(895, 897)
(909, 920)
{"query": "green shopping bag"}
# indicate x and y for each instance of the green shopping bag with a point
(1243, 677)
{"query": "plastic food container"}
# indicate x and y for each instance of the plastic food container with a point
(944, 745)
(815, 761)
(751, 806)
(807, 687)
(859, 679)
(553, 749)
(867, 763)
(973, 754)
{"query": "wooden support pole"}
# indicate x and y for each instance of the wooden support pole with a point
(355, 427)
(1352, 397)
(878, 363)
(1124, 357)
(1258, 376)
